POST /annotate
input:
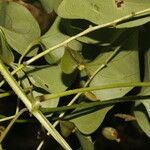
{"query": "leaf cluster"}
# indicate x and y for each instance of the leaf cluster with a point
(112, 54)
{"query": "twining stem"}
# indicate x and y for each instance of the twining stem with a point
(11, 124)
(94, 88)
(40, 117)
(85, 85)
(94, 104)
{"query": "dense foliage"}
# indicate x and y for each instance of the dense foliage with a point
(82, 66)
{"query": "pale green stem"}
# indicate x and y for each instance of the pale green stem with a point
(1, 147)
(40, 117)
(97, 103)
(13, 72)
(87, 89)
(7, 118)
(14, 85)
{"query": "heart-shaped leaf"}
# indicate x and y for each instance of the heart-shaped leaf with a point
(123, 68)
(19, 26)
(88, 122)
(43, 77)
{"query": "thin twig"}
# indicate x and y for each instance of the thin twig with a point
(7, 118)
(40, 117)
(96, 103)
(95, 88)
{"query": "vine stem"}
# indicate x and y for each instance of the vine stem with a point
(94, 88)
(31, 107)
(7, 118)
(94, 104)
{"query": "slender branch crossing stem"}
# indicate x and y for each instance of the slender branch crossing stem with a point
(86, 89)
(7, 118)
(97, 103)
(40, 117)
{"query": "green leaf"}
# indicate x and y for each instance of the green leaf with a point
(49, 78)
(53, 37)
(5, 51)
(19, 26)
(123, 68)
(88, 123)
(142, 118)
(85, 141)
(101, 11)
(70, 61)
(50, 5)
